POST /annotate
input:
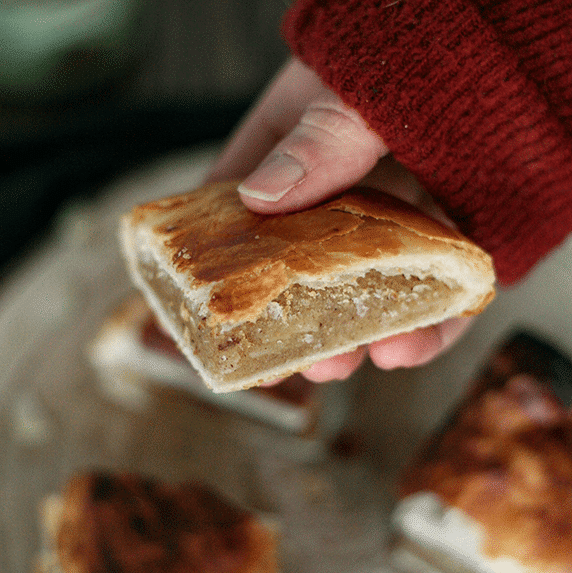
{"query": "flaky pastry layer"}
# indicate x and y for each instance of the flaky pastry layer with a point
(250, 298)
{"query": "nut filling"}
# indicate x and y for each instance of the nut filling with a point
(302, 320)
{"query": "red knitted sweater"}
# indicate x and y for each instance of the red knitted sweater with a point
(473, 96)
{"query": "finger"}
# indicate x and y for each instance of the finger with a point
(418, 347)
(272, 117)
(339, 367)
(329, 149)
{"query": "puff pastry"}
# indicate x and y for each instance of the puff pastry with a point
(250, 298)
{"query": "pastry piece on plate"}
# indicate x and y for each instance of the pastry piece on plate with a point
(250, 298)
(491, 491)
(132, 353)
(107, 522)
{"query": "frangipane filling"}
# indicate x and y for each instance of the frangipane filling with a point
(300, 322)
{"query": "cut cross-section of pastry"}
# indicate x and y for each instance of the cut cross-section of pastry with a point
(250, 298)
(132, 355)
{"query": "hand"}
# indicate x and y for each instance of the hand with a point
(301, 144)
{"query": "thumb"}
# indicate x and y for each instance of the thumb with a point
(330, 149)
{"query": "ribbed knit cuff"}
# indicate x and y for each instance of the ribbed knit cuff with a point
(474, 100)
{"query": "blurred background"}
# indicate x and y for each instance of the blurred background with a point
(92, 88)
(110, 100)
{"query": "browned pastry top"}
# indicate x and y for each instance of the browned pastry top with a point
(127, 524)
(210, 235)
(506, 461)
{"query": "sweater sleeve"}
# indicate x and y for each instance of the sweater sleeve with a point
(473, 96)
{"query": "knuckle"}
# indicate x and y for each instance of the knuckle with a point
(331, 136)
(334, 123)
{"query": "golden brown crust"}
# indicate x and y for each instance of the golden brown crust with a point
(371, 203)
(505, 461)
(211, 269)
(125, 523)
(249, 258)
(485, 301)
